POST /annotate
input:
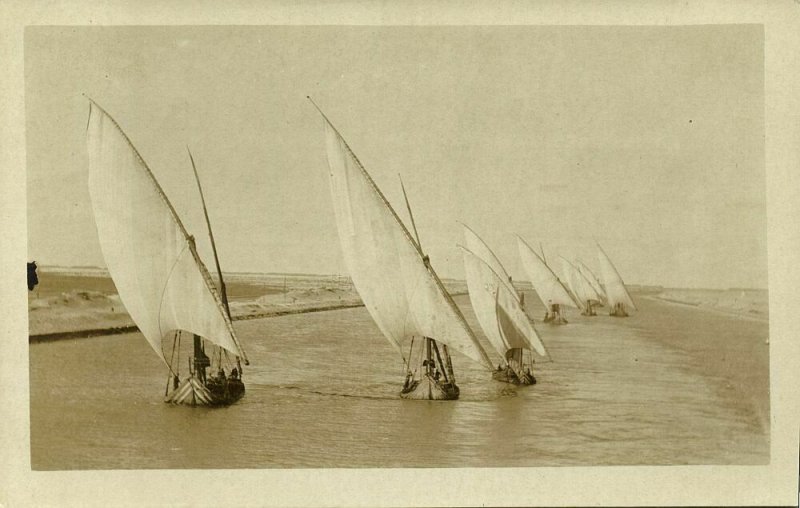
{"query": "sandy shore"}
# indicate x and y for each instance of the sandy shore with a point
(747, 303)
(72, 306)
(739, 361)
(86, 313)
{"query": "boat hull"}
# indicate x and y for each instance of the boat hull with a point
(558, 320)
(428, 388)
(507, 375)
(215, 392)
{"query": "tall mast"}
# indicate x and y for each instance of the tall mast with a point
(222, 288)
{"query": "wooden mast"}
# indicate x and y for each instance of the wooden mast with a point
(222, 289)
(448, 364)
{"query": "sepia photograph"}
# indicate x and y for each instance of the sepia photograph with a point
(377, 248)
(483, 246)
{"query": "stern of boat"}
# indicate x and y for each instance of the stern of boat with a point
(428, 388)
(192, 392)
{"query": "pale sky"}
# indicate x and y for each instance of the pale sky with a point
(649, 139)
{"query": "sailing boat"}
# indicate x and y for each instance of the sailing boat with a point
(395, 279)
(593, 280)
(583, 290)
(617, 294)
(500, 310)
(548, 286)
(159, 275)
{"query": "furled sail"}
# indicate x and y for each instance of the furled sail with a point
(580, 286)
(394, 279)
(593, 280)
(151, 258)
(547, 285)
(498, 309)
(616, 292)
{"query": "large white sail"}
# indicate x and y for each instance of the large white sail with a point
(398, 286)
(547, 285)
(151, 258)
(616, 292)
(498, 309)
(593, 280)
(580, 286)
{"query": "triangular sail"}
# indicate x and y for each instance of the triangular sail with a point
(593, 280)
(151, 258)
(394, 279)
(547, 285)
(580, 286)
(616, 292)
(478, 247)
(498, 309)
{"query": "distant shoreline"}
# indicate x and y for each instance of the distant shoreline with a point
(709, 308)
(115, 330)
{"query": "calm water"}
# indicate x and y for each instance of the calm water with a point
(322, 392)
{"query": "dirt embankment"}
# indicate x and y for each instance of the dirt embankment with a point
(80, 313)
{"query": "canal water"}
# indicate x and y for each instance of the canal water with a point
(322, 391)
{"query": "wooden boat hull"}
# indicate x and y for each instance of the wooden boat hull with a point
(507, 375)
(555, 320)
(428, 388)
(215, 392)
(618, 313)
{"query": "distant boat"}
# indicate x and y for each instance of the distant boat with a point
(619, 300)
(159, 275)
(548, 286)
(593, 280)
(395, 279)
(500, 310)
(585, 294)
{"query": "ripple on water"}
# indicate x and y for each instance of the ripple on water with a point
(322, 391)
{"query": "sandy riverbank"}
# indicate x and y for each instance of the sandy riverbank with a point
(92, 312)
(738, 360)
(70, 305)
(751, 303)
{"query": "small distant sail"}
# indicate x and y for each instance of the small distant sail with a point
(498, 309)
(580, 286)
(151, 257)
(400, 289)
(593, 280)
(547, 285)
(616, 292)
